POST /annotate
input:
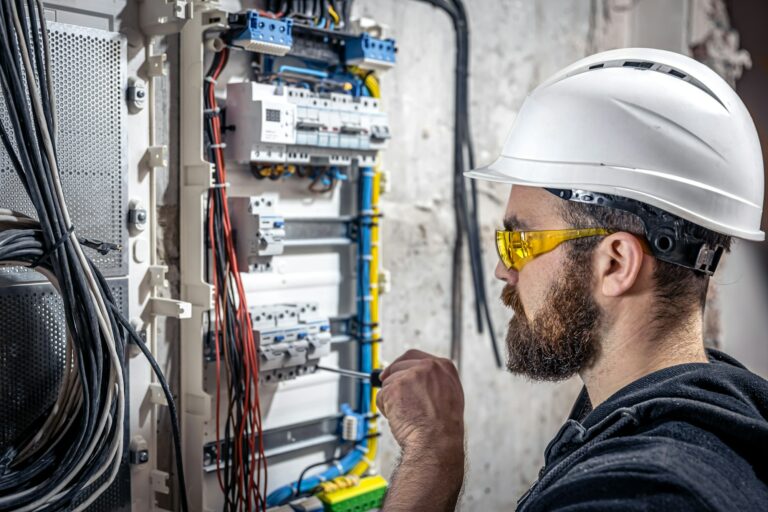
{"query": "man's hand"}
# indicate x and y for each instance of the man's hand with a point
(422, 398)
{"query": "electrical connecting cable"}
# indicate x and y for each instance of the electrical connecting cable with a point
(328, 14)
(465, 204)
(242, 469)
(72, 453)
(375, 335)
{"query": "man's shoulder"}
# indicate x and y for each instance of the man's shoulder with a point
(656, 471)
(672, 450)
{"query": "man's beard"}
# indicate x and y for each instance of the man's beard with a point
(563, 337)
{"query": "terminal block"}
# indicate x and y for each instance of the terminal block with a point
(261, 34)
(368, 52)
(353, 425)
(276, 124)
(260, 231)
(367, 495)
(291, 339)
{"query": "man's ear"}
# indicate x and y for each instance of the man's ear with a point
(618, 261)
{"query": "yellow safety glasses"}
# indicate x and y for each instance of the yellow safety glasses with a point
(516, 248)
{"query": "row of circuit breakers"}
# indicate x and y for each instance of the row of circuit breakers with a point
(279, 124)
(285, 122)
(291, 338)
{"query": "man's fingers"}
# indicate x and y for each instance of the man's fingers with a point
(409, 355)
(380, 404)
(398, 366)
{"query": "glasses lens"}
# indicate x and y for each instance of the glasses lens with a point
(502, 247)
(514, 249)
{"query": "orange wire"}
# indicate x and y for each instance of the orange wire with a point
(216, 332)
(246, 345)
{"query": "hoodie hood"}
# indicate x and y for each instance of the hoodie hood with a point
(721, 397)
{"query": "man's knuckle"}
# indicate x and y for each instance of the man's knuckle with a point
(411, 353)
(446, 363)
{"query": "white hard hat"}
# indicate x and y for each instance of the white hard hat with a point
(649, 125)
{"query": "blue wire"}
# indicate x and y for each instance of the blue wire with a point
(302, 71)
(282, 494)
(286, 492)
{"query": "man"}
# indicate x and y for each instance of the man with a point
(632, 171)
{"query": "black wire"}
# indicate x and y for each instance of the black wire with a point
(29, 159)
(175, 429)
(465, 206)
(311, 466)
(25, 482)
(233, 327)
(481, 296)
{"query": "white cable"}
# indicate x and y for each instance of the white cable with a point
(116, 374)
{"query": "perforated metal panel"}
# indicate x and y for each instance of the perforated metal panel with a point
(32, 354)
(88, 68)
(89, 81)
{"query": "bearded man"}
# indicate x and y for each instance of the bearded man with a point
(632, 171)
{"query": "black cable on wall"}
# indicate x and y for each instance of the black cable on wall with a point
(465, 202)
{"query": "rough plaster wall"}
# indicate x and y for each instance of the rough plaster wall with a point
(515, 45)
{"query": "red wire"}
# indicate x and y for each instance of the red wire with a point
(252, 488)
(216, 325)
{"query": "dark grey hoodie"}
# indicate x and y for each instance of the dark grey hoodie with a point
(689, 437)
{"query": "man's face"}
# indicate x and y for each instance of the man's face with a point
(555, 330)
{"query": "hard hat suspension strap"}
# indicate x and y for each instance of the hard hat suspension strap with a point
(671, 238)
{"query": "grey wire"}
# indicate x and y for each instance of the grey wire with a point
(116, 389)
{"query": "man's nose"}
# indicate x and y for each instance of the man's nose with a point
(509, 276)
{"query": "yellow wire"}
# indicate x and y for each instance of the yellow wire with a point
(363, 465)
(372, 83)
(333, 13)
(370, 80)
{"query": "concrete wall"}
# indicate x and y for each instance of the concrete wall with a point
(514, 46)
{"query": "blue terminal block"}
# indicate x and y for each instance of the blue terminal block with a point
(265, 35)
(368, 52)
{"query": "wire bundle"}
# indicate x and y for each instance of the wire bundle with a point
(465, 205)
(323, 13)
(72, 453)
(324, 179)
(243, 477)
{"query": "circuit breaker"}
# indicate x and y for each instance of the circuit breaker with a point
(290, 125)
(281, 256)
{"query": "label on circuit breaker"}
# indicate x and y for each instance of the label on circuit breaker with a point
(319, 329)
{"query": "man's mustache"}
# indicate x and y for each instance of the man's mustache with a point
(511, 298)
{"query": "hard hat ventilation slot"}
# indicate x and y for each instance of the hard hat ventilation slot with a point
(638, 64)
(676, 73)
(649, 65)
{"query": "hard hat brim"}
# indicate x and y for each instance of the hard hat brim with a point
(514, 171)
